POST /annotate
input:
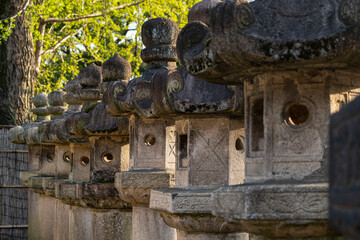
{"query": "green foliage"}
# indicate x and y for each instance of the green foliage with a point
(68, 46)
(6, 27)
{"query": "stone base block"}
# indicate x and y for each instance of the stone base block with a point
(26, 175)
(189, 210)
(275, 210)
(100, 195)
(135, 186)
(147, 224)
(209, 236)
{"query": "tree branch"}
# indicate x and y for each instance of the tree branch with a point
(63, 40)
(39, 45)
(92, 15)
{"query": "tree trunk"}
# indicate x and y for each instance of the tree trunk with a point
(17, 68)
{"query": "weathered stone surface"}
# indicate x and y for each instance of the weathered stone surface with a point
(74, 222)
(159, 31)
(88, 195)
(188, 210)
(55, 131)
(90, 94)
(106, 158)
(205, 152)
(144, 179)
(90, 76)
(294, 64)
(275, 210)
(41, 104)
(117, 99)
(135, 186)
(344, 210)
(65, 191)
(26, 175)
(63, 161)
(34, 158)
(75, 124)
(182, 200)
(287, 122)
(80, 223)
(81, 162)
(41, 215)
(71, 97)
(206, 236)
(73, 86)
(202, 11)
(40, 100)
(266, 35)
(47, 161)
(116, 68)
(112, 224)
(49, 183)
(150, 225)
(103, 124)
(148, 143)
(16, 135)
(56, 98)
(57, 104)
(61, 220)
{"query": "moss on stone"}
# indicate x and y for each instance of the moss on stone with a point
(90, 107)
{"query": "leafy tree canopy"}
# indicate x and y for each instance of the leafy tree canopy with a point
(70, 34)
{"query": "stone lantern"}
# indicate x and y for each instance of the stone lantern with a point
(294, 78)
(89, 78)
(108, 135)
(150, 165)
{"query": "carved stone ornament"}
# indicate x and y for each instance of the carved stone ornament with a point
(237, 40)
(189, 210)
(270, 209)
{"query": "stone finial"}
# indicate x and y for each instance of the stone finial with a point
(41, 103)
(71, 97)
(116, 68)
(159, 35)
(57, 104)
(89, 78)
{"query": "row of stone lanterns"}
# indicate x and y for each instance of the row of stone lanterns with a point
(248, 107)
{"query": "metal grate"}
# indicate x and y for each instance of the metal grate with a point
(13, 197)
